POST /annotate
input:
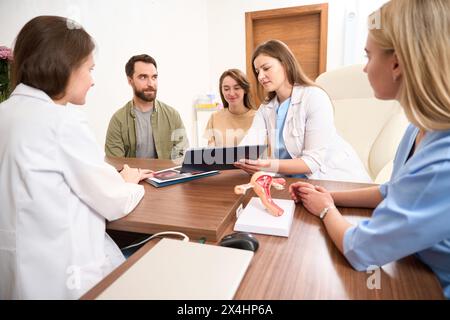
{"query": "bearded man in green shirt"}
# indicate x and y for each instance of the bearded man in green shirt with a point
(145, 127)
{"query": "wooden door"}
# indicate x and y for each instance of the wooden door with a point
(303, 29)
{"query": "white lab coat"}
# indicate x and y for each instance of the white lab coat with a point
(56, 191)
(309, 133)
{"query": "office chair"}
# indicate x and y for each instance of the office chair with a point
(373, 127)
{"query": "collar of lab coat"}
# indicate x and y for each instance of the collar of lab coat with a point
(24, 90)
(296, 97)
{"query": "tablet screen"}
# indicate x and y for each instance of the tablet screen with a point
(207, 159)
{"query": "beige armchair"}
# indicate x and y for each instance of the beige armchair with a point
(373, 127)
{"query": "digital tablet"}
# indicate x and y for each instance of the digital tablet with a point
(207, 159)
(174, 175)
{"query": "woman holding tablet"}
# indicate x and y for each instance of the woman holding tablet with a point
(296, 120)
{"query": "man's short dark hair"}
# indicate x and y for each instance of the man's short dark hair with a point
(47, 50)
(129, 67)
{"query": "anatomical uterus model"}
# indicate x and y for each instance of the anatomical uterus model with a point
(261, 183)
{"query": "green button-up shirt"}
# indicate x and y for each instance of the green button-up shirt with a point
(168, 132)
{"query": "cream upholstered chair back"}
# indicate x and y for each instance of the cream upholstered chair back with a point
(373, 127)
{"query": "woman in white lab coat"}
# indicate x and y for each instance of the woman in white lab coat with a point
(296, 119)
(56, 189)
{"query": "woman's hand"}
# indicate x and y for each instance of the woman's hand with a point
(314, 198)
(134, 175)
(294, 190)
(252, 166)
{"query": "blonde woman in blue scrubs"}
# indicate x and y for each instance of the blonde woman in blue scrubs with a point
(412, 210)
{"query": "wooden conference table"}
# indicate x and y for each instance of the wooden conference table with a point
(307, 265)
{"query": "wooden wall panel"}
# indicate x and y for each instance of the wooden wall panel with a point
(303, 29)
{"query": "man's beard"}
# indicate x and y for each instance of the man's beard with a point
(145, 96)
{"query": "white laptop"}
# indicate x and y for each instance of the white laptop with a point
(178, 270)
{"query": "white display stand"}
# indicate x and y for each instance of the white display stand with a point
(255, 218)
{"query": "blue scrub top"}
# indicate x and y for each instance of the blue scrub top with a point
(414, 217)
(280, 148)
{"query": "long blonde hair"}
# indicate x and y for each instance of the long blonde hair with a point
(418, 31)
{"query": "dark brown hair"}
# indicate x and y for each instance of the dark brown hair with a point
(280, 51)
(46, 51)
(242, 81)
(129, 67)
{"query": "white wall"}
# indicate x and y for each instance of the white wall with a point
(226, 20)
(193, 42)
(174, 32)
